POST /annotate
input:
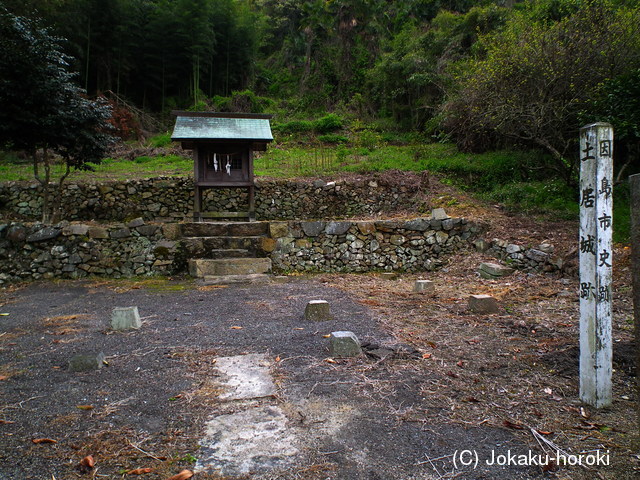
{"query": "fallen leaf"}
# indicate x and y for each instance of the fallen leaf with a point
(330, 360)
(278, 358)
(432, 344)
(460, 364)
(544, 432)
(183, 475)
(236, 328)
(3, 377)
(326, 336)
(38, 441)
(3, 314)
(6, 422)
(88, 462)
(515, 426)
(426, 355)
(298, 328)
(139, 471)
(85, 407)
(584, 413)
(452, 375)
(548, 391)
(472, 400)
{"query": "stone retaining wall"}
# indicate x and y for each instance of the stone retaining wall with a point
(171, 199)
(539, 259)
(75, 250)
(413, 245)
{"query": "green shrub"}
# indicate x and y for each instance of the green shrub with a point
(328, 123)
(295, 126)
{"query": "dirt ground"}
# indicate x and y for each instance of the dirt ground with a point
(445, 380)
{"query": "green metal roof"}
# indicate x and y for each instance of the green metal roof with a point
(222, 126)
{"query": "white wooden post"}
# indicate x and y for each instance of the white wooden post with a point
(596, 225)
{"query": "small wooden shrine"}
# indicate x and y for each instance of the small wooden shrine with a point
(223, 146)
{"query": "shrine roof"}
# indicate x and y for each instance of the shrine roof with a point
(222, 126)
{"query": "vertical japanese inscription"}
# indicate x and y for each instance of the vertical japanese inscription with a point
(595, 246)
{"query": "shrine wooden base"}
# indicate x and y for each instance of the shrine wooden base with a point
(199, 215)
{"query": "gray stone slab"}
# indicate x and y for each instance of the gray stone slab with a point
(125, 318)
(247, 441)
(312, 229)
(438, 214)
(245, 377)
(424, 286)
(494, 270)
(344, 344)
(75, 229)
(418, 224)
(46, 233)
(86, 362)
(337, 228)
(483, 304)
(317, 311)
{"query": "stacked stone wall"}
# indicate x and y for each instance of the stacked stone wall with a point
(387, 245)
(36, 251)
(171, 199)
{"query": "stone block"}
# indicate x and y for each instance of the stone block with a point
(278, 229)
(494, 270)
(366, 228)
(424, 286)
(438, 214)
(98, 232)
(317, 311)
(136, 222)
(337, 228)
(75, 229)
(389, 275)
(267, 244)
(121, 233)
(532, 254)
(86, 362)
(397, 240)
(344, 344)
(483, 304)
(147, 230)
(418, 225)
(312, 229)
(125, 318)
(46, 233)
(172, 231)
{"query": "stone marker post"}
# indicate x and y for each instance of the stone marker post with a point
(634, 182)
(596, 202)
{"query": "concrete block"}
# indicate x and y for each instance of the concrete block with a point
(483, 304)
(317, 311)
(344, 344)
(86, 362)
(424, 286)
(125, 318)
(438, 214)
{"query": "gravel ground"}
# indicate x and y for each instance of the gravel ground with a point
(360, 418)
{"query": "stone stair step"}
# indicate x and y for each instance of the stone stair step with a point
(223, 253)
(217, 229)
(199, 245)
(202, 267)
